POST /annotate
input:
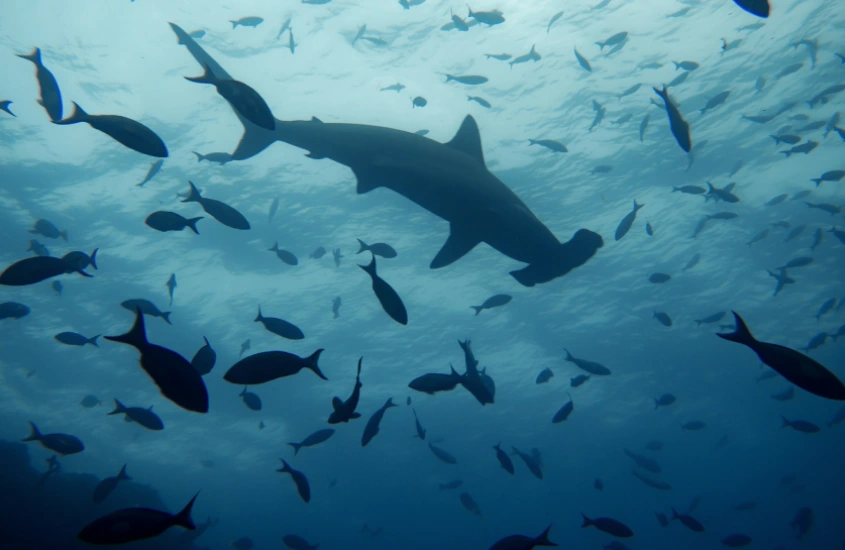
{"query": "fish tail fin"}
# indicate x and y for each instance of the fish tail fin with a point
(234, 25)
(137, 335)
(587, 521)
(200, 157)
(34, 434)
(389, 403)
(543, 538)
(662, 92)
(78, 115)
(776, 138)
(296, 447)
(532, 142)
(206, 77)
(677, 65)
(370, 268)
(192, 223)
(477, 309)
(568, 355)
(123, 475)
(363, 246)
(285, 468)
(193, 194)
(35, 56)
(92, 258)
(166, 317)
(600, 45)
(785, 422)
(311, 361)
(183, 518)
(93, 341)
(637, 206)
(275, 247)
(675, 514)
(258, 317)
(742, 335)
(449, 77)
(818, 181)
(119, 408)
(787, 153)
(64, 236)
(243, 392)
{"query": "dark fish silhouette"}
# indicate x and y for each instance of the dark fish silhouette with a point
(147, 308)
(442, 455)
(219, 158)
(336, 306)
(251, 400)
(679, 126)
(503, 458)
(51, 96)
(530, 461)
(472, 380)
(155, 168)
(344, 411)
(563, 413)
(470, 504)
(663, 318)
(689, 522)
(550, 144)
(494, 301)
(378, 249)
(522, 542)
(578, 380)
(13, 310)
(664, 401)
(590, 366)
(803, 371)
(175, 377)
(76, 339)
(318, 253)
(90, 401)
(251, 20)
(314, 439)
(644, 462)
(302, 486)
(63, 444)
(693, 425)
(170, 221)
(609, 526)
(614, 40)
(420, 430)
(204, 359)
(295, 542)
(659, 278)
(583, 61)
(124, 130)
(387, 297)
(469, 79)
(435, 382)
(241, 97)
(279, 327)
(171, 286)
(270, 365)
(220, 211)
(760, 8)
(627, 221)
(737, 540)
(544, 376)
(800, 426)
(36, 269)
(284, 255)
(145, 417)
(131, 524)
(372, 427)
(105, 487)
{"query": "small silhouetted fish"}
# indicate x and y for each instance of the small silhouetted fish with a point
(662, 519)
(714, 318)
(689, 522)
(717, 194)
(173, 374)
(344, 411)
(795, 233)
(284, 255)
(609, 526)
(442, 455)
(531, 461)
(76, 339)
(643, 126)
(480, 100)
(494, 301)
(614, 40)
(645, 462)
(470, 80)
(785, 395)
(803, 148)
(470, 505)
(63, 444)
(451, 485)
(387, 297)
(715, 101)
(523, 542)
(372, 427)
(651, 482)
(630, 91)
(171, 286)
(146, 307)
(131, 524)
(676, 81)
(803, 371)
(251, 400)
(649, 229)
(658, 278)
(626, 223)
(623, 119)
(37, 248)
(690, 190)
(578, 380)
(155, 168)
(302, 486)
(583, 61)
(13, 310)
(270, 365)
(379, 249)
(802, 522)
(35, 269)
(550, 144)
(204, 359)
(663, 318)
(544, 376)
(777, 200)
(318, 253)
(693, 425)
(51, 96)
(314, 439)
(434, 382)
(393, 88)
(279, 327)
(829, 208)
(600, 112)
(220, 211)
(90, 401)
(800, 426)
(249, 21)
(126, 131)
(105, 487)
(832, 175)
(590, 366)
(825, 308)
(786, 138)
(295, 542)
(737, 540)
(170, 221)
(563, 413)
(245, 100)
(419, 101)
(504, 459)
(680, 128)
(219, 158)
(530, 56)
(144, 417)
(664, 400)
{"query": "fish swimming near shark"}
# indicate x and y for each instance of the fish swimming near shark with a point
(220, 211)
(51, 96)
(124, 130)
(438, 177)
(241, 97)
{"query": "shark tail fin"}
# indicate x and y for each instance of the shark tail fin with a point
(742, 335)
(258, 317)
(543, 538)
(137, 336)
(123, 475)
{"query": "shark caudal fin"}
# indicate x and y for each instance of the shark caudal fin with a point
(573, 253)
(255, 138)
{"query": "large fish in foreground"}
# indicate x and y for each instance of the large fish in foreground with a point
(449, 180)
(124, 130)
(131, 524)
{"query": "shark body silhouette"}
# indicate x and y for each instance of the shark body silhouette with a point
(449, 180)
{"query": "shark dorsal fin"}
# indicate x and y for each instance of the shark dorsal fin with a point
(468, 140)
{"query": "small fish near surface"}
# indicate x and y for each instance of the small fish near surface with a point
(132, 524)
(344, 411)
(607, 525)
(659, 278)
(170, 221)
(803, 148)
(155, 168)
(248, 21)
(315, 438)
(76, 339)
(125, 131)
(832, 175)
(266, 366)
(146, 307)
(663, 318)
(51, 96)
(285, 255)
(175, 377)
(220, 211)
(628, 221)
(614, 40)
(279, 327)
(590, 366)
(299, 479)
(372, 427)
(549, 144)
(245, 100)
(544, 376)
(803, 371)
(62, 444)
(523, 542)
(469, 80)
(378, 249)
(680, 128)
(387, 296)
(218, 157)
(143, 417)
(498, 300)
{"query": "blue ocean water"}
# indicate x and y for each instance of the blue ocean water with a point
(123, 58)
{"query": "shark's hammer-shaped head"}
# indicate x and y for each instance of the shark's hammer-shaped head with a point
(573, 253)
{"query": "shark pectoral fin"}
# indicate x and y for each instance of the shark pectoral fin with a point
(368, 179)
(456, 247)
(468, 140)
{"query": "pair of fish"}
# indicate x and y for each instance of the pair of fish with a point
(40, 268)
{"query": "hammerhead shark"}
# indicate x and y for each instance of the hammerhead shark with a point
(449, 180)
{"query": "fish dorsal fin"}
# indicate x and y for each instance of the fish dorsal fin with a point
(468, 140)
(337, 403)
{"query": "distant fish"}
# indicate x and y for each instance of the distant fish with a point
(825, 308)
(315, 438)
(51, 96)
(626, 223)
(643, 126)
(530, 56)
(270, 365)
(494, 301)
(442, 455)
(630, 91)
(90, 401)
(600, 113)
(664, 401)
(143, 417)
(284, 255)
(379, 249)
(531, 462)
(710, 319)
(785, 395)
(131, 524)
(614, 40)
(563, 413)
(498, 56)
(220, 211)
(106, 486)
(13, 310)
(76, 339)
(470, 504)
(688, 521)
(171, 221)
(693, 425)
(419, 101)
(249, 21)
(715, 101)
(659, 278)
(36, 269)
(553, 20)
(250, 399)
(609, 526)
(62, 444)
(523, 542)
(299, 479)
(503, 458)
(285, 26)
(590, 366)
(175, 377)
(336, 306)
(601, 169)
(126, 131)
(480, 100)
(832, 175)
(680, 127)
(652, 482)
(777, 200)
(155, 168)
(37, 248)
(550, 144)
(171, 286)
(585, 64)
(469, 80)
(245, 100)
(829, 208)
(663, 318)
(146, 307)
(393, 88)
(489, 18)
(279, 327)
(372, 427)
(387, 297)
(318, 253)
(677, 81)
(46, 228)
(579, 380)
(432, 383)
(800, 426)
